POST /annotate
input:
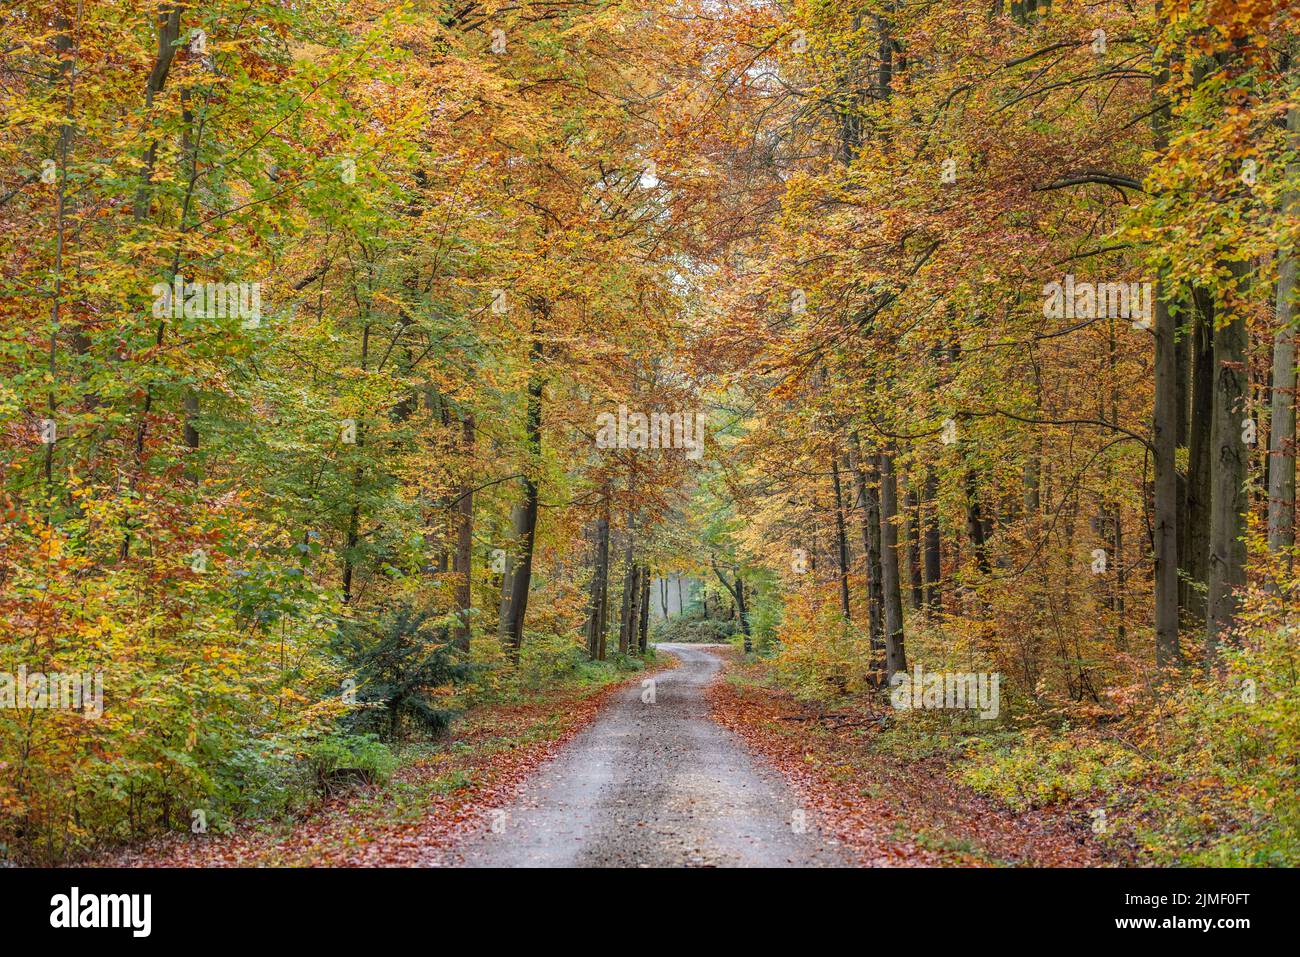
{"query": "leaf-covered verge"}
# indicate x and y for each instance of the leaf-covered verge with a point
(441, 790)
(888, 793)
(1200, 772)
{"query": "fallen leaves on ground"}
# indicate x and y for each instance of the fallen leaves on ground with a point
(889, 812)
(417, 818)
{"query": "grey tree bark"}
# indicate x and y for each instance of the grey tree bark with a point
(914, 546)
(1282, 418)
(841, 539)
(525, 514)
(895, 654)
(933, 556)
(643, 632)
(869, 502)
(462, 564)
(1164, 434)
(1228, 464)
(1196, 528)
(630, 606)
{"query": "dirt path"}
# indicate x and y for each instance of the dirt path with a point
(655, 784)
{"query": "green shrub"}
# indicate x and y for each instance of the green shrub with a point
(694, 627)
(1207, 779)
(1043, 770)
(398, 661)
(548, 658)
(338, 761)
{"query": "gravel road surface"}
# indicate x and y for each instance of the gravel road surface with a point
(654, 785)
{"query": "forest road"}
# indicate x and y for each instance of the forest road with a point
(654, 784)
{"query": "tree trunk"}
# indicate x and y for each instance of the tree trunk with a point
(1182, 431)
(914, 546)
(933, 557)
(743, 610)
(975, 525)
(738, 594)
(169, 31)
(1197, 528)
(602, 624)
(508, 579)
(354, 515)
(1228, 463)
(895, 655)
(462, 565)
(525, 528)
(1282, 428)
(1165, 438)
(1033, 478)
(644, 630)
(841, 539)
(629, 607)
(599, 586)
(1168, 412)
(870, 504)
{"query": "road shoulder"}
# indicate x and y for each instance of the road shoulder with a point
(889, 811)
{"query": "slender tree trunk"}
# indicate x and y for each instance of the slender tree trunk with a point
(1165, 437)
(1166, 415)
(1183, 348)
(914, 546)
(841, 539)
(743, 608)
(1282, 429)
(508, 577)
(602, 619)
(525, 528)
(629, 608)
(933, 557)
(1228, 465)
(1121, 584)
(190, 401)
(1197, 528)
(892, 600)
(870, 505)
(644, 630)
(975, 525)
(599, 583)
(1033, 472)
(464, 560)
(354, 515)
(737, 592)
(66, 72)
(895, 655)
(169, 32)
